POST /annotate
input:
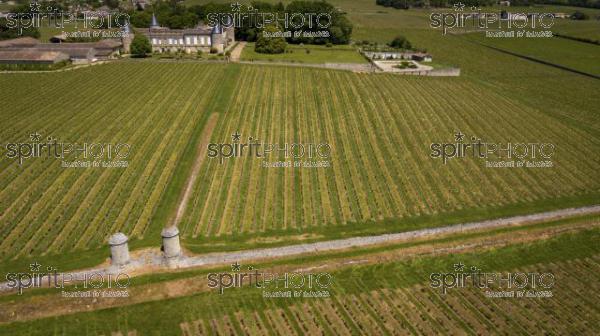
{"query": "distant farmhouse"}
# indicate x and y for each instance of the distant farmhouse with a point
(202, 38)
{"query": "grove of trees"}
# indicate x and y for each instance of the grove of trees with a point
(177, 16)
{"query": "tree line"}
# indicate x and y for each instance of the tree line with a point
(177, 16)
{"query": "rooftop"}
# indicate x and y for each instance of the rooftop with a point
(19, 42)
(31, 55)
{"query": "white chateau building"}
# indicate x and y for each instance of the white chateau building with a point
(203, 38)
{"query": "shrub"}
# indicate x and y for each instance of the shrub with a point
(579, 16)
(140, 46)
(213, 50)
(400, 42)
(270, 45)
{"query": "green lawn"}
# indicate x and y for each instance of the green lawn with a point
(572, 54)
(307, 54)
(589, 29)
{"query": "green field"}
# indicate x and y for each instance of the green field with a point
(315, 54)
(378, 181)
(376, 176)
(572, 54)
(584, 29)
(382, 179)
(43, 205)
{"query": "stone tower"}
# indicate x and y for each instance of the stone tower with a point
(126, 38)
(119, 250)
(217, 40)
(170, 239)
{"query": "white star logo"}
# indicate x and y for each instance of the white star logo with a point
(459, 6)
(34, 6)
(236, 7)
(459, 137)
(35, 267)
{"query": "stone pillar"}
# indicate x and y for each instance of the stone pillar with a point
(119, 250)
(170, 239)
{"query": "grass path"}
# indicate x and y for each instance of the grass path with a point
(202, 148)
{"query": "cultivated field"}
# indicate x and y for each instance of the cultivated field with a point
(379, 180)
(420, 310)
(381, 174)
(46, 208)
(379, 126)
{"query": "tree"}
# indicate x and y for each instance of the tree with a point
(400, 42)
(140, 19)
(8, 31)
(270, 44)
(140, 46)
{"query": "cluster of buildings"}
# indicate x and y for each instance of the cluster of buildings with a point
(27, 50)
(201, 38)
